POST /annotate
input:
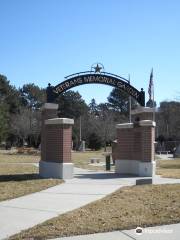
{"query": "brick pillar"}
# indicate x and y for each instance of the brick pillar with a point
(147, 164)
(49, 110)
(135, 145)
(56, 161)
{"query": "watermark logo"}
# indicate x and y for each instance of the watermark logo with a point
(139, 231)
(157, 230)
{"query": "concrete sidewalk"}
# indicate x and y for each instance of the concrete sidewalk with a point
(86, 186)
(30, 210)
(165, 156)
(165, 232)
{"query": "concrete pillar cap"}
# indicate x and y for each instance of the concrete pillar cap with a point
(142, 109)
(59, 121)
(125, 125)
(147, 123)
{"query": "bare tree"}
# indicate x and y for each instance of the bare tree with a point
(26, 125)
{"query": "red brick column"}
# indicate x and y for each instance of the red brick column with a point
(56, 142)
(147, 144)
(49, 110)
(135, 145)
(56, 162)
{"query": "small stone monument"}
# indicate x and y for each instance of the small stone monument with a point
(82, 147)
(177, 152)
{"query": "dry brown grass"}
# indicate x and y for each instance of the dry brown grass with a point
(82, 159)
(14, 157)
(168, 168)
(169, 173)
(20, 179)
(126, 208)
(14, 169)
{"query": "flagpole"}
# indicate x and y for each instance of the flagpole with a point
(129, 102)
(153, 100)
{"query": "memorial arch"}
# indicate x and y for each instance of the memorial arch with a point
(134, 151)
(90, 77)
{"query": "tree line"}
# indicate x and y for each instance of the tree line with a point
(20, 116)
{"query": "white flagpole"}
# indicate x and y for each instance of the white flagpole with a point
(153, 97)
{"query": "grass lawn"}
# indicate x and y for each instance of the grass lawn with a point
(168, 168)
(126, 208)
(20, 179)
(12, 157)
(82, 159)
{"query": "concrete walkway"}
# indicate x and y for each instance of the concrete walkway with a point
(30, 210)
(165, 232)
(165, 156)
(86, 186)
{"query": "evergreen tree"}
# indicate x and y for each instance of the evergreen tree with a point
(71, 105)
(9, 96)
(95, 141)
(93, 107)
(119, 101)
(9, 106)
(4, 120)
(32, 96)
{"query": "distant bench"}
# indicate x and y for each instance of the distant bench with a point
(95, 160)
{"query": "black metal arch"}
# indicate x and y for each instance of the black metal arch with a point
(90, 77)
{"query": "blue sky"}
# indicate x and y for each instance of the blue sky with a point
(45, 40)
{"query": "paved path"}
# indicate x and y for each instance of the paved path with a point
(87, 186)
(166, 232)
(165, 156)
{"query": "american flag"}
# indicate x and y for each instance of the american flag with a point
(151, 86)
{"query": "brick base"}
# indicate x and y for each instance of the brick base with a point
(141, 169)
(55, 170)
